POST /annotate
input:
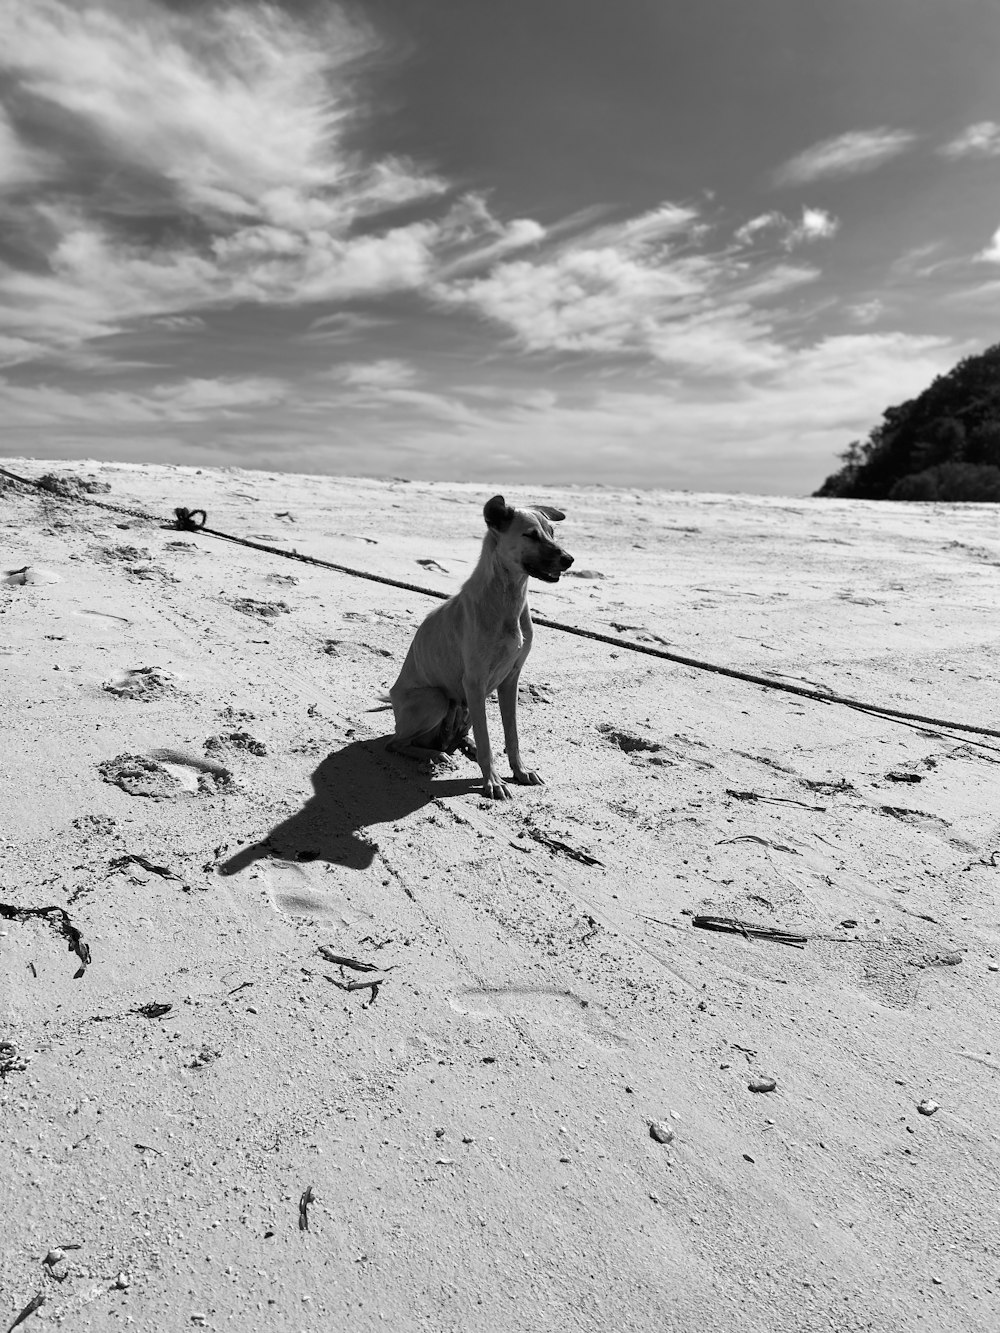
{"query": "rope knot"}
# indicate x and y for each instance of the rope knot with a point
(187, 519)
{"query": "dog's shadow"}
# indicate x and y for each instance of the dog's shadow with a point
(355, 789)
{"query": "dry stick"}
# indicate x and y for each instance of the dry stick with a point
(185, 522)
(332, 957)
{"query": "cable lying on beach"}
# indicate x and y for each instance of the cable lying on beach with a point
(187, 520)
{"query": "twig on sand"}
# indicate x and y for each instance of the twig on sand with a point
(776, 800)
(120, 862)
(304, 1202)
(749, 931)
(355, 985)
(332, 957)
(764, 842)
(563, 848)
(76, 941)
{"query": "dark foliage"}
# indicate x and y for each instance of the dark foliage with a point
(942, 445)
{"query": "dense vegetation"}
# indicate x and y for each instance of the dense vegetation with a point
(943, 445)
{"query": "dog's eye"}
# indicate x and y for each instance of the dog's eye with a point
(534, 536)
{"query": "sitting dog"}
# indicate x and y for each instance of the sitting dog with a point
(476, 642)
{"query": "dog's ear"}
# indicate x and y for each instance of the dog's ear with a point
(556, 515)
(498, 513)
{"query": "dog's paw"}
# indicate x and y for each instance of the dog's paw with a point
(438, 763)
(526, 778)
(496, 790)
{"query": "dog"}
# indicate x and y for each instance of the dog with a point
(477, 642)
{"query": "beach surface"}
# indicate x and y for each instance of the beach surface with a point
(321, 1038)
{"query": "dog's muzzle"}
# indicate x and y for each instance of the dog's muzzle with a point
(550, 571)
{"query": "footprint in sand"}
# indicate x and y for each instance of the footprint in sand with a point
(142, 683)
(253, 606)
(540, 1006)
(166, 775)
(296, 890)
(235, 740)
(627, 742)
(28, 575)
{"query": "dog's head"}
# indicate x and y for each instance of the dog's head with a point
(525, 538)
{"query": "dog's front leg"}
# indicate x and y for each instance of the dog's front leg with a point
(475, 698)
(507, 695)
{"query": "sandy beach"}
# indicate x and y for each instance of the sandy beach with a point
(215, 1123)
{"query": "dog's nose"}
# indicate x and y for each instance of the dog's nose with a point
(565, 561)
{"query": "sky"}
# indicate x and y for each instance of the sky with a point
(635, 242)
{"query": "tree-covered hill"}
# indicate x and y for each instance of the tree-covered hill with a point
(942, 445)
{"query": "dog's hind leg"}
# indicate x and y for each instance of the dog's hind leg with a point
(421, 714)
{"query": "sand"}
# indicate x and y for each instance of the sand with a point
(192, 770)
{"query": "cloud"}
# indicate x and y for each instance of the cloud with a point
(816, 224)
(197, 158)
(226, 104)
(387, 373)
(979, 140)
(992, 252)
(866, 312)
(186, 401)
(774, 431)
(845, 155)
(19, 164)
(625, 290)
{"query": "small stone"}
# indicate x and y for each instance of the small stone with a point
(747, 1157)
(53, 1257)
(928, 1107)
(564, 1160)
(660, 1132)
(762, 1084)
(122, 1282)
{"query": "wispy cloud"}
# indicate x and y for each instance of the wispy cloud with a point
(387, 373)
(227, 129)
(642, 288)
(815, 224)
(845, 155)
(184, 401)
(979, 140)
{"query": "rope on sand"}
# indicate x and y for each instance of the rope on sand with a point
(187, 520)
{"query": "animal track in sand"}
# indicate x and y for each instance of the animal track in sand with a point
(541, 1005)
(165, 775)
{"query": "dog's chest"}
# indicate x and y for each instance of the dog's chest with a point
(505, 647)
